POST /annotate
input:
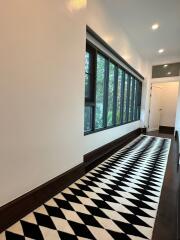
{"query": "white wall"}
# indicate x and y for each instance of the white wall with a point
(170, 80)
(153, 81)
(42, 89)
(169, 94)
(99, 18)
(41, 92)
(178, 112)
(177, 124)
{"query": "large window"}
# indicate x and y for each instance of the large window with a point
(112, 94)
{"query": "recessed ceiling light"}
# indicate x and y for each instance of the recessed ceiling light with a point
(161, 50)
(165, 66)
(155, 26)
(169, 73)
(76, 5)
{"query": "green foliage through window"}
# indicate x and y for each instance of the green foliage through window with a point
(111, 85)
(119, 97)
(87, 74)
(130, 100)
(100, 78)
(87, 118)
(126, 100)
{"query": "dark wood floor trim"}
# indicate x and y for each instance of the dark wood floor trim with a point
(178, 200)
(107, 150)
(177, 139)
(17, 209)
(178, 204)
(166, 129)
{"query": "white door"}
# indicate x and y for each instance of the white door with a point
(155, 108)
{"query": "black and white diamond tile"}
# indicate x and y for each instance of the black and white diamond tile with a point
(116, 200)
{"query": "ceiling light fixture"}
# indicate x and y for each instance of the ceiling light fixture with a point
(155, 26)
(165, 66)
(161, 50)
(76, 5)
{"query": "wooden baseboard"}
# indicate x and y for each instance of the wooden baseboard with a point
(178, 200)
(107, 150)
(166, 129)
(144, 130)
(17, 209)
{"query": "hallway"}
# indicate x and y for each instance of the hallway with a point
(90, 120)
(118, 199)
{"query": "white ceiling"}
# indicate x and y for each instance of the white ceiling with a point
(137, 16)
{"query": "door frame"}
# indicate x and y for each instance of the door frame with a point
(152, 129)
(159, 80)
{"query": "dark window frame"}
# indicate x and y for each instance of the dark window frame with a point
(92, 73)
(94, 51)
(90, 101)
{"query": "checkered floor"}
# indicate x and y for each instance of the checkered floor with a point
(116, 200)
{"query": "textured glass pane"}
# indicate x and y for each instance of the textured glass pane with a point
(130, 99)
(100, 91)
(119, 84)
(139, 91)
(87, 85)
(87, 75)
(88, 119)
(110, 95)
(87, 62)
(140, 99)
(125, 98)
